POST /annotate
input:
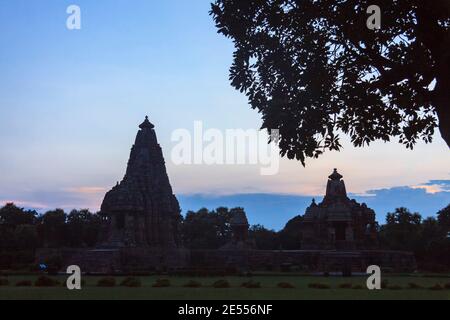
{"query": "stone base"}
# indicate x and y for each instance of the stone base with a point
(132, 260)
(305, 260)
(119, 260)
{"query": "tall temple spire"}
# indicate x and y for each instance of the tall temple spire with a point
(335, 175)
(146, 124)
(335, 187)
(142, 209)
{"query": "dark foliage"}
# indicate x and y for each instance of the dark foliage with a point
(161, 283)
(206, 229)
(44, 281)
(106, 282)
(285, 285)
(221, 284)
(131, 282)
(192, 284)
(24, 283)
(263, 238)
(290, 237)
(313, 69)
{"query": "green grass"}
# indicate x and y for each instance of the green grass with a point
(268, 290)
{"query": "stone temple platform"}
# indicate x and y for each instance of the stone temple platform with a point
(305, 260)
(108, 261)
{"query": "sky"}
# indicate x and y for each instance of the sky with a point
(71, 101)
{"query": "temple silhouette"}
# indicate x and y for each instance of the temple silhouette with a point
(142, 217)
(338, 222)
(142, 210)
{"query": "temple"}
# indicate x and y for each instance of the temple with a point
(142, 211)
(141, 218)
(338, 222)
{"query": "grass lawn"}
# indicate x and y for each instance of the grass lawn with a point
(268, 290)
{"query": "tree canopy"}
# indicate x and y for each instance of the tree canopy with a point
(313, 69)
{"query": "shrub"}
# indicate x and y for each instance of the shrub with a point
(221, 284)
(357, 287)
(106, 282)
(4, 282)
(251, 285)
(447, 286)
(131, 282)
(24, 283)
(345, 286)
(436, 287)
(161, 283)
(285, 285)
(395, 287)
(44, 281)
(318, 286)
(193, 284)
(413, 285)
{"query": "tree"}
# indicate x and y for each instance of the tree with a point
(402, 230)
(17, 228)
(290, 236)
(444, 218)
(13, 216)
(52, 228)
(206, 229)
(83, 228)
(264, 239)
(313, 69)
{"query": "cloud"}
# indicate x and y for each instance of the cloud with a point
(434, 186)
(67, 198)
(88, 190)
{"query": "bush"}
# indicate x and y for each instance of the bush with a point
(395, 287)
(285, 285)
(4, 282)
(345, 286)
(161, 283)
(251, 285)
(106, 282)
(318, 286)
(44, 281)
(193, 284)
(221, 284)
(447, 286)
(413, 285)
(24, 283)
(131, 282)
(357, 287)
(436, 287)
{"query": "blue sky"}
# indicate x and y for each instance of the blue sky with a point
(70, 103)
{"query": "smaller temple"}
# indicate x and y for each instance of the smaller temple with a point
(239, 232)
(338, 222)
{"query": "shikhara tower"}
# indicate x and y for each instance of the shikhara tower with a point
(142, 210)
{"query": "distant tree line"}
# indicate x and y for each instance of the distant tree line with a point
(23, 231)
